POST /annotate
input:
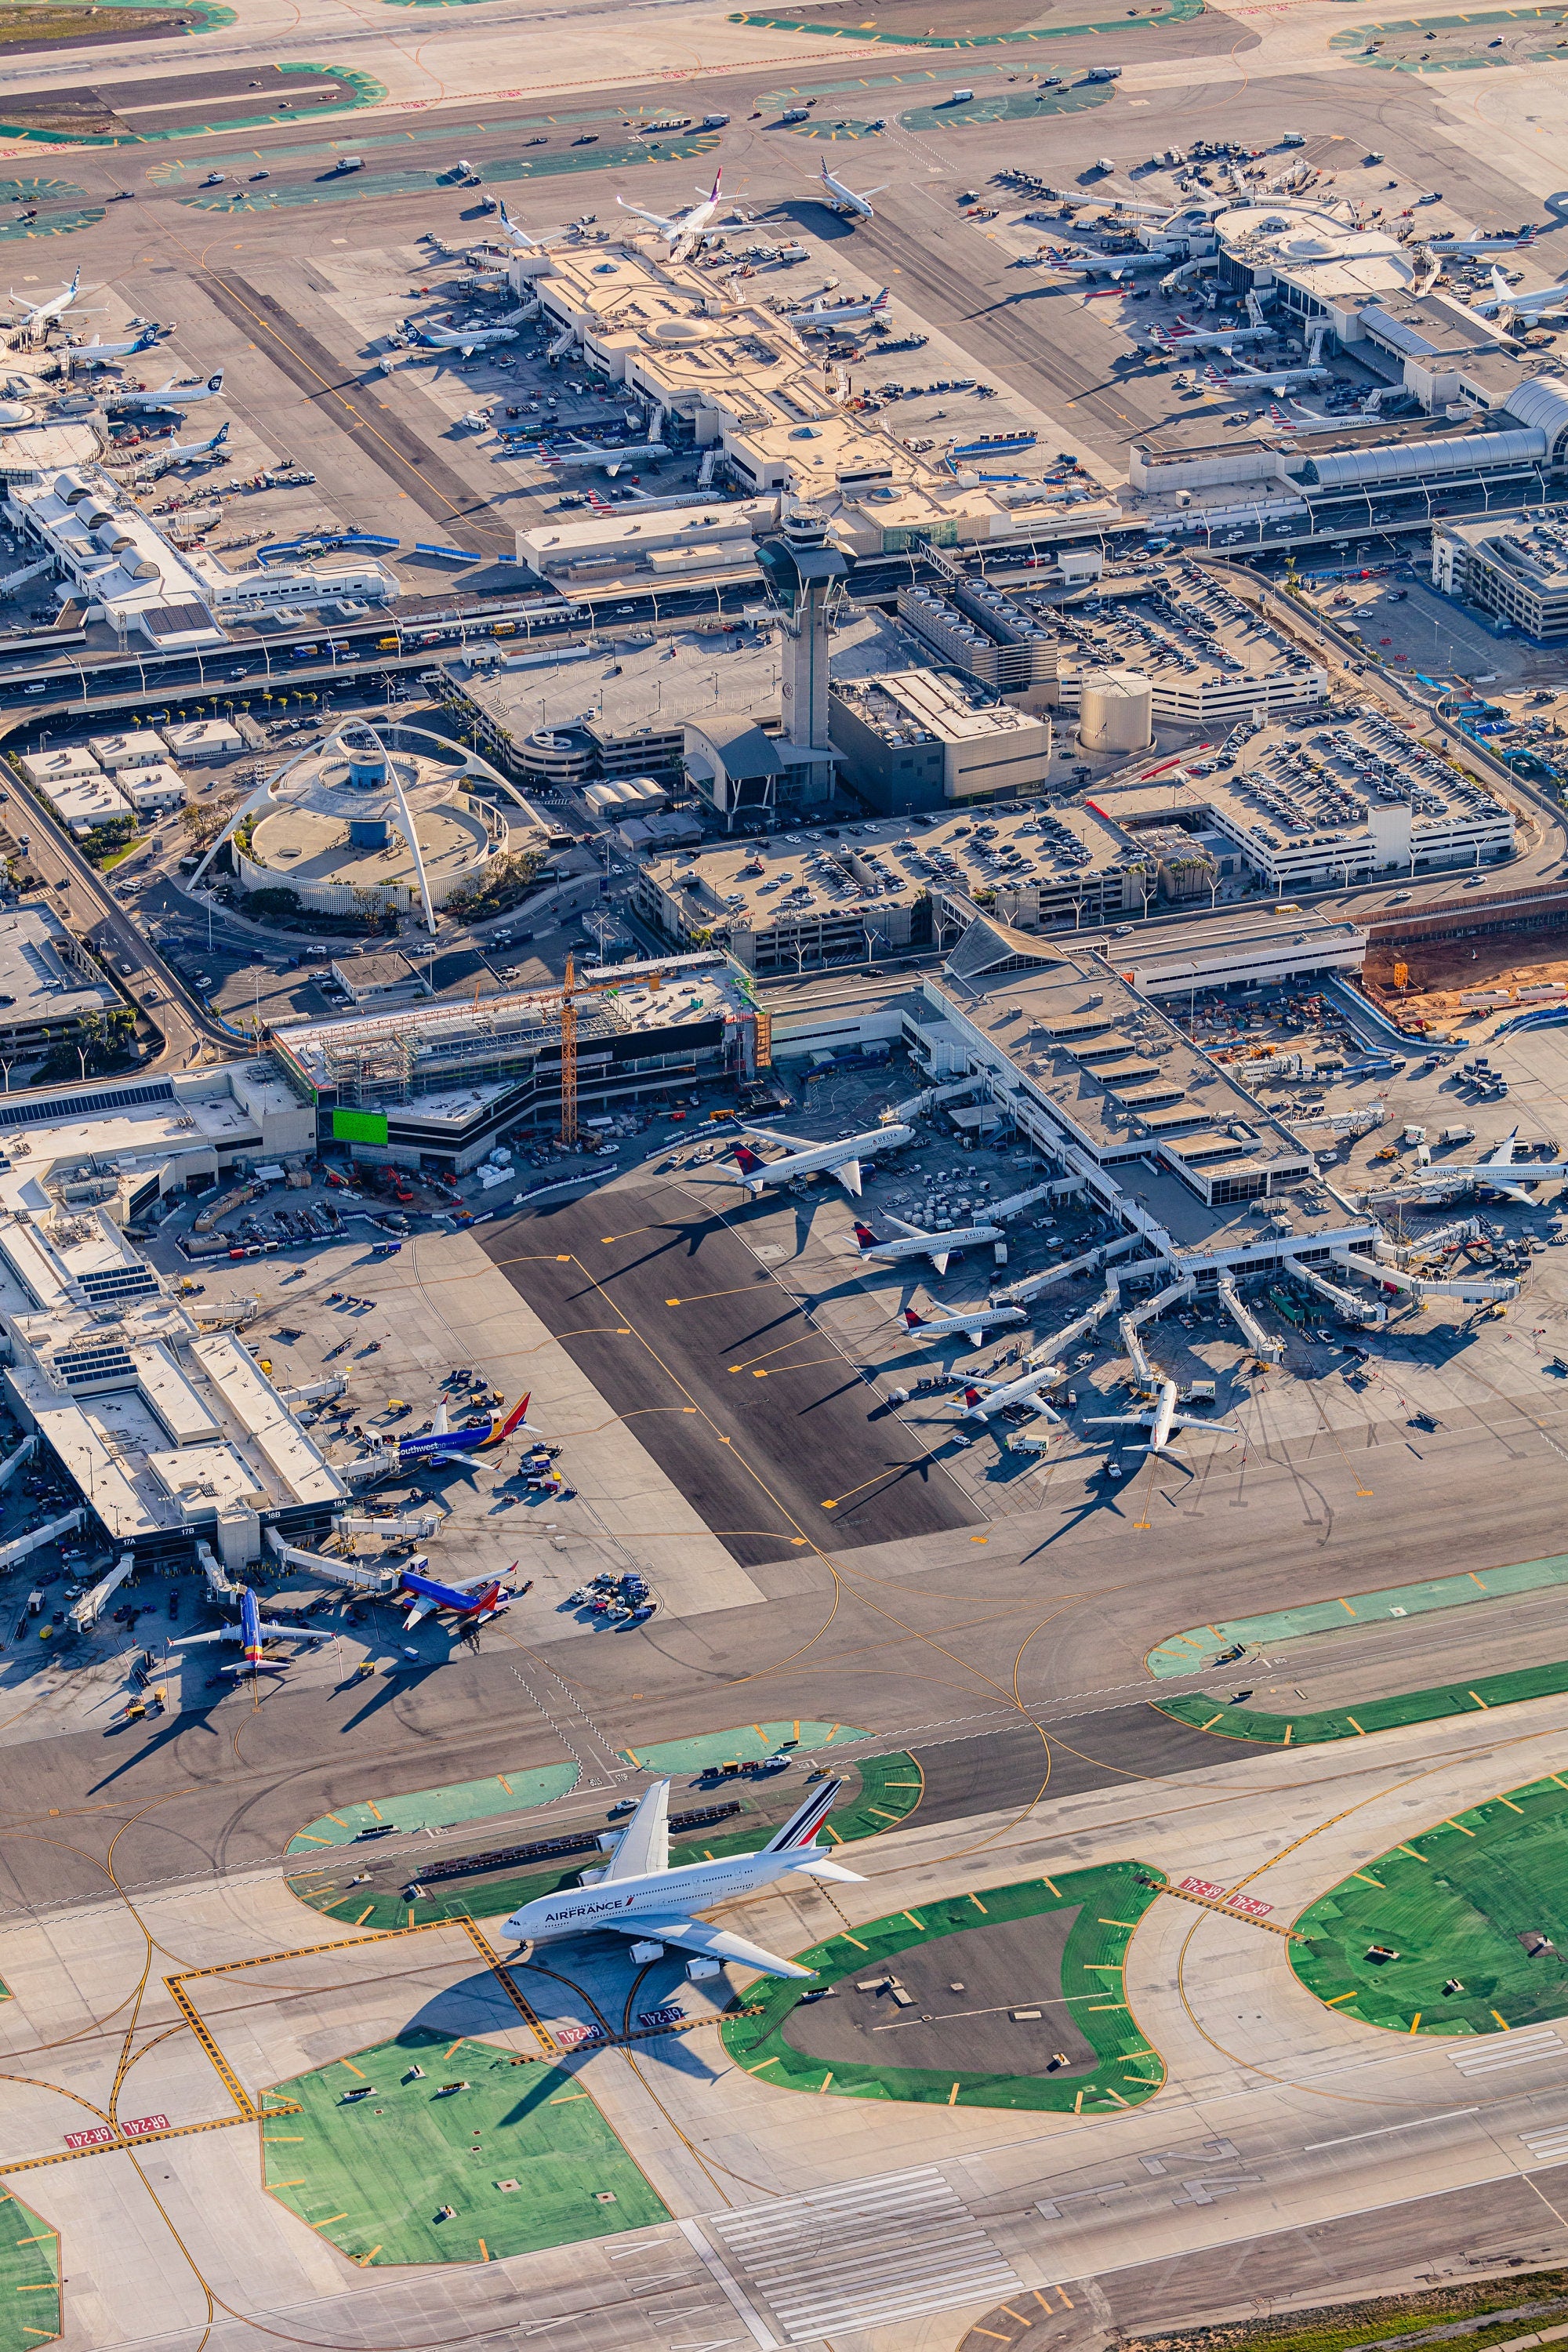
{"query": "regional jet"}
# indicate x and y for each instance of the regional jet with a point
(639, 1896)
(981, 1398)
(178, 393)
(841, 1159)
(938, 1247)
(254, 1638)
(1160, 1420)
(685, 231)
(975, 1325)
(847, 200)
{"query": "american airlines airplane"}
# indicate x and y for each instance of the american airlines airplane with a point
(841, 1159)
(684, 232)
(176, 393)
(253, 1636)
(639, 1896)
(1160, 1421)
(1526, 308)
(847, 200)
(842, 314)
(974, 1324)
(611, 456)
(938, 1247)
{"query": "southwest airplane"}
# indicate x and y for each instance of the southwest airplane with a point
(97, 352)
(841, 1160)
(982, 1398)
(253, 1637)
(445, 1444)
(843, 314)
(1160, 1420)
(938, 1247)
(639, 1894)
(846, 200)
(176, 394)
(975, 1325)
(685, 230)
(476, 1600)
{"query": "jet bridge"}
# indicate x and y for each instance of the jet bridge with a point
(86, 1611)
(221, 1586)
(1018, 1294)
(335, 1571)
(1477, 1289)
(1106, 1304)
(1183, 1288)
(1260, 1342)
(1344, 1302)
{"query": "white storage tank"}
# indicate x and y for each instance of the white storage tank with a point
(1116, 712)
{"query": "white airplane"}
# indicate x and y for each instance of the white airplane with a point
(98, 353)
(470, 338)
(1160, 1420)
(38, 317)
(841, 1159)
(981, 1398)
(611, 455)
(1474, 247)
(519, 238)
(684, 232)
(639, 1894)
(975, 1325)
(177, 452)
(1525, 307)
(847, 200)
(178, 393)
(938, 1247)
(843, 314)
(1105, 264)
(1490, 1172)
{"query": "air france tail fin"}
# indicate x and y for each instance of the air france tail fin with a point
(800, 1829)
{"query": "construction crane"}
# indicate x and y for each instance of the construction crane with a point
(568, 1058)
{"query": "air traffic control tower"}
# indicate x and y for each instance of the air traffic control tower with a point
(805, 580)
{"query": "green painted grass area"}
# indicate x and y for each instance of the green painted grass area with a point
(889, 1789)
(361, 89)
(1417, 60)
(1012, 105)
(746, 1744)
(1185, 1653)
(30, 2310)
(364, 186)
(433, 1808)
(1312, 1728)
(1458, 2312)
(371, 2178)
(1177, 13)
(1113, 1899)
(1451, 1902)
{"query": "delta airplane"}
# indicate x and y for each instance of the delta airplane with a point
(253, 1636)
(975, 1326)
(684, 233)
(1160, 1420)
(639, 1894)
(444, 1444)
(938, 1247)
(611, 456)
(843, 314)
(981, 1398)
(842, 1158)
(847, 200)
(178, 393)
(98, 353)
(475, 1598)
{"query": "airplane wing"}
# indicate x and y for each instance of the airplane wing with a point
(913, 1231)
(939, 1259)
(293, 1633)
(848, 1174)
(422, 1608)
(219, 1633)
(1125, 1421)
(644, 1849)
(613, 466)
(714, 1943)
(1192, 1420)
(785, 1142)
(1503, 1156)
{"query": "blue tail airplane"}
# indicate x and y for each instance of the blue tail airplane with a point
(253, 1637)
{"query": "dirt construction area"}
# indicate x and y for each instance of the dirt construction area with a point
(1440, 972)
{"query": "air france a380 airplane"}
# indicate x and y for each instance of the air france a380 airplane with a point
(639, 1896)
